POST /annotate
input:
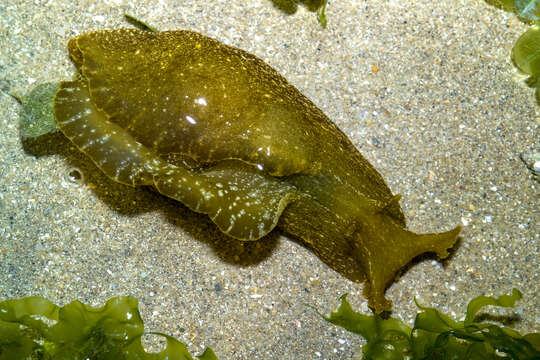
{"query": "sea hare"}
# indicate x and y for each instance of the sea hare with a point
(219, 130)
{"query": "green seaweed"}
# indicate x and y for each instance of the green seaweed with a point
(526, 56)
(438, 337)
(290, 7)
(139, 24)
(526, 50)
(526, 10)
(79, 331)
(113, 331)
(36, 116)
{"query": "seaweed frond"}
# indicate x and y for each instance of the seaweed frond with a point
(35, 328)
(436, 336)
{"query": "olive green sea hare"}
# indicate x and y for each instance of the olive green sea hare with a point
(219, 130)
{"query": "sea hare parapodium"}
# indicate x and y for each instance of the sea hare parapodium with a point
(219, 130)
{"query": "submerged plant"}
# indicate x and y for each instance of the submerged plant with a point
(290, 7)
(526, 57)
(79, 331)
(436, 336)
(526, 50)
(35, 328)
(526, 10)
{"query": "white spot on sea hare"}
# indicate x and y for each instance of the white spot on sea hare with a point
(190, 120)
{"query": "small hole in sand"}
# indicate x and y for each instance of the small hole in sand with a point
(75, 175)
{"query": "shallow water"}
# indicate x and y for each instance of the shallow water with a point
(428, 95)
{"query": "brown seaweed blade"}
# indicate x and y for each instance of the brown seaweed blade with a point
(261, 154)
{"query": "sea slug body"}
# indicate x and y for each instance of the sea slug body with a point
(219, 130)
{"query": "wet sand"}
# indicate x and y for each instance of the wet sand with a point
(428, 94)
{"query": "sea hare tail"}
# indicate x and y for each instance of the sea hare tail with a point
(384, 247)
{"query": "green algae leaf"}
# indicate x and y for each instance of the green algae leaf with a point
(526, 56)
(290, 7)
(35, 328)
(437, 336)
(37, 116)
(481, 301)
(526, 10)
(526, 50)
(386, 338)
(174, 350)
(139, 24)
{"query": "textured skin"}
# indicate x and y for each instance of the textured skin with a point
(221, 131)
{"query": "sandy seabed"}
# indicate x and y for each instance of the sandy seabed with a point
(428, 94)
